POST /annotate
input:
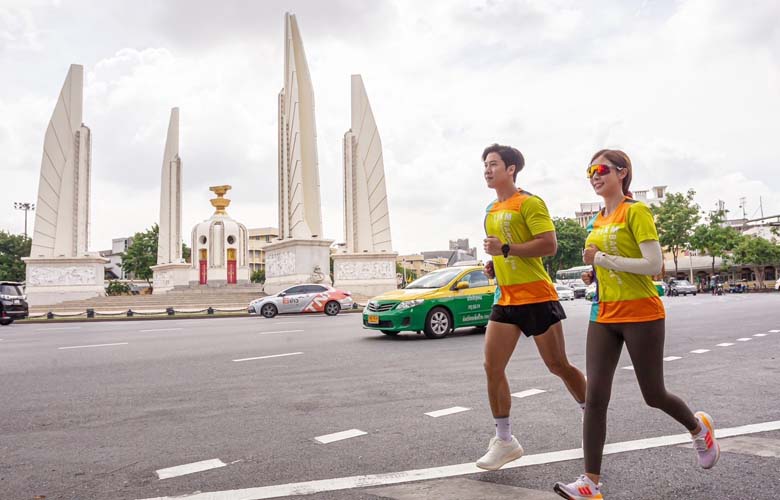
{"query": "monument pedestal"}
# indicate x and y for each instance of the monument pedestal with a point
(218, 277)
(295, 261)
(168, 276)
(57, 279)
(366, 275)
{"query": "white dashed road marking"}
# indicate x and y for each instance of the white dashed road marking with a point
(339, 436)
(345, 483)
(672, 358)
(743, 339)
(760, 335)
(700, 351)
(281, 331)
(774, 331)
(629, 367)
(267, 357)
(529, 392)
(447, 411)
(725, 344)
(93, 345)
(181, 470)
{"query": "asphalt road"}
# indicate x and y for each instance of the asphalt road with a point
(99, 410)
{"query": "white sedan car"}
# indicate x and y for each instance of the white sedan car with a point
(564, 292)
(308, 298)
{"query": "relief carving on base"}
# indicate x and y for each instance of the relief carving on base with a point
(362, 270)
(43, 276)
(279, 264)
(163, 278)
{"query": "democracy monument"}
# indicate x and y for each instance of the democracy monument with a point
(60, 263)
(302, 254)
(367, 267)
(60, 266)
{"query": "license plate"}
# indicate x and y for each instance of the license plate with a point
(17, 302)
(373, 320)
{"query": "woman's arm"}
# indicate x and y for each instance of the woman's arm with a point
(650, 263)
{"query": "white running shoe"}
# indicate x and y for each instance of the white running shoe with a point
(581, 489)
(705, 444)
(500, 453)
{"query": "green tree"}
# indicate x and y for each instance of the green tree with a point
(714, 238)
(258, 276)
(675, 219)
(571, 240)
(186, 253)
(142, 255)
(757, 253)
(12, 248)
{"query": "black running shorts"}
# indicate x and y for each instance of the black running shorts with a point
(533, 319)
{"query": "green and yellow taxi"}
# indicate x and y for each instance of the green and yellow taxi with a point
(436, 304)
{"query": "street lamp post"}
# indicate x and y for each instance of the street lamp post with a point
(26, 207)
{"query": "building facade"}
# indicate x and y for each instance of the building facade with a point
(651, 197)
(259, 238)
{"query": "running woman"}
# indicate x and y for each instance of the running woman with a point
(623, 247)
(519, 232)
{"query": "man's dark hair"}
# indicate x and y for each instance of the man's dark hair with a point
(510, 156)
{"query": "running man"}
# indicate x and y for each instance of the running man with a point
(519, 233)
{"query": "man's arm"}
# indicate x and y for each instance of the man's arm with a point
(542, 245)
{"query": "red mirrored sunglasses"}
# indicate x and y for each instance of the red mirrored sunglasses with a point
(600, 169)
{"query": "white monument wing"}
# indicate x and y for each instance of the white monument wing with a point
(62, 211)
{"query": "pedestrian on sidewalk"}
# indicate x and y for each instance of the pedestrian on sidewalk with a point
(623, 247)
(519, 233)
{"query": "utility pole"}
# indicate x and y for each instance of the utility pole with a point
(26, 207)
(761, 206)
(742, 205)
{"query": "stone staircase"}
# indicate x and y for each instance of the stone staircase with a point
(180, 299)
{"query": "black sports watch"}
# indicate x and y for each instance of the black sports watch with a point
(505, 249)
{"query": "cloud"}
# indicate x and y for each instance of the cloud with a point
(687, 89)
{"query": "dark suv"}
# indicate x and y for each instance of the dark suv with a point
(13, 303)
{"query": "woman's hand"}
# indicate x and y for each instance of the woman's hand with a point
(492, 246)
(587, 277)
(589, 254)
(490, 271)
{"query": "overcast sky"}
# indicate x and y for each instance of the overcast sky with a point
(689, 89)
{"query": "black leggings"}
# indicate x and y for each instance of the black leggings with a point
(645, 344)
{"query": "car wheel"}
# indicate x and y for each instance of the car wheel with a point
(480, 329)
(6, 322)
(694, 294)
(390, 333)
(269, 310)
(332, 308)
(438, 323)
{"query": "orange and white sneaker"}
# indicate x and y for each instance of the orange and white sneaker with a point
(581, 489)
(705, 444)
